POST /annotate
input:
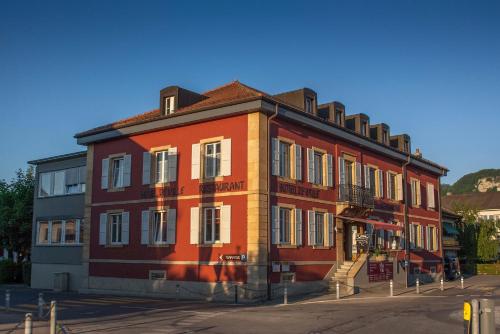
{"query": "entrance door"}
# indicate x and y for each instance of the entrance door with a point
(350, 246)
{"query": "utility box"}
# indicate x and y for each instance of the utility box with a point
(61, 282)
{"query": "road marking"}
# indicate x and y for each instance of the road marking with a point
(359, 298)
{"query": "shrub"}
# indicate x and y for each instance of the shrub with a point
(10, 272)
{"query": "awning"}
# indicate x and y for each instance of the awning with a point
(378, 225)
(450, 229)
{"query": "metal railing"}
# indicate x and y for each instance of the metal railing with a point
(356, 195)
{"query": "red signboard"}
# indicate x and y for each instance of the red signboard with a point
(380, 271)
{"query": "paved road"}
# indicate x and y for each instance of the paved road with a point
(433, 311)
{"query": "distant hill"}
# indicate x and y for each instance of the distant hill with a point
(482, 181)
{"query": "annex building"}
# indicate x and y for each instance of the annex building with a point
(238, 187)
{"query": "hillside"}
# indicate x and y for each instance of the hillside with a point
(480, 181)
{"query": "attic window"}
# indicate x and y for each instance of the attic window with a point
(363, 128)
(338, 117)
(385, 137)
(309, 105)
(169, 105)
(406, 147)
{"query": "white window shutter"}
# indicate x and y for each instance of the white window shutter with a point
(105, 173)
(298, 162)
(311, 227)
(310, 165)
(171, 225)
(172, 164)
(427, 239)
(195, 226)
(125, 227)
(226, 157)
(399, 187)
(380, 183)
(431, 203)
(298, 227)
(329, 170)
(172, 104)
(225, 226)
(358, 175)
(195, 161)
(275, 221)
(77, 232)
(127, 165)
(341, 171)
(146, 167)
(412, 237)
(367, 176)
(419, 197)
(103, 228)
(145, 227)
(422, 233)
(331, 230)
(275, 143)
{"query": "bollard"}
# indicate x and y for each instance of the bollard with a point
(285, 295)
(418, 286)
(40, 305)
(53, 316)
(337, 290)
(177, 292)
(442, 284)
(28, 323)
(475, 316)
(236, 294)
(462, 282)
(487, 316)
(391, 286)
(7, 300)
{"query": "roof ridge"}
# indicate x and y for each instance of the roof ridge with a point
(220, 87)
(239, 83)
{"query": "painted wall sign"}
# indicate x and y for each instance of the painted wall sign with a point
(217, 187)
(162, 192)
(298, 190)
(380, 271)
(233, 257)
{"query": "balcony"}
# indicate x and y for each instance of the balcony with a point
(356, 196)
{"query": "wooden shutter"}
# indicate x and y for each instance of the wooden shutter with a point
(341, 171)
(103, 228)
(171, 225)
(146, 167)
(194, 237)
(298, 162)
(105, 173)
(399, 187)
(428, 239)
(298, 227)
(125, 227)
(275, 143)
(422, 233)
(431, 203)
(358, 175)
(195, 161)
(127, 165)
(367, 176)
(331, 230)
(145, 227)
(311, 227)
(310, 165)
(412, 237)
(275, 220)
(419, 197)
(329, 170)
(172, 164)
(225, 224)
(380, 183)
(226, 157)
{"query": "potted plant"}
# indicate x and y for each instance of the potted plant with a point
(378, 255)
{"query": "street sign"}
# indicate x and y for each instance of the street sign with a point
(233, 257)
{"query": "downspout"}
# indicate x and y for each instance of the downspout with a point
(440, 232)
(406, 222)
(269, 222)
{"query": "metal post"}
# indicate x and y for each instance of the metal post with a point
(28, 323)
(462, 282)
(487, 316)
(391, 286)
(475, 316)
(53, 317)
(285, 294)
(337, 290)
(40, 305)
(442, 284)
(236, 294)
(418, 286)
(7, 300)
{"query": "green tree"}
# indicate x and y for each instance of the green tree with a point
(16, 212)
(487, 245)
(468, 231)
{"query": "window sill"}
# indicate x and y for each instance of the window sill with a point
(113, 190)
(211, 179)
(159, 245)
(114, 246)
(287, 246)
(161, 184)
(211, 245)
(286, 179)
(63, 195)
(321, 247)
(59, 245)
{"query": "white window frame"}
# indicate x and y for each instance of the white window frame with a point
(162, 227)
(161, 166)
(78, 232)
(319, 215)
(392, 182)
(169, 105)
(283, 231)
(216, 159)
(213, 214)
(117, 180)
(112, 238)
(285, 167)
(80, 186)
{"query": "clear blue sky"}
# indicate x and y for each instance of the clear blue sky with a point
(427, 68)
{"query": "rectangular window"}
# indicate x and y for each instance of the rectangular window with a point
(45, 185)
(56, 232)
(285, 226)
(309, 105)
(62, 182)
(371, 172)
(161, 166)
(385, 137)
(43, 232)
(160, 227)
(116, 228)
(60, 232)
(59, 183)
(70, 231)
(349, 172)
(319, 220)
(285, 159)
(363, 127)
(211, 224)
(169, 105)
(117, 172)
(212, 159)
(318, 168)
(415, 192)
(338, 117)
(391, 186)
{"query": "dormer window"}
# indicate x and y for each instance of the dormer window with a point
(385, 137)
(406, 146)
(309, 105)
(169, 105)
(363, 128)
(338, 117)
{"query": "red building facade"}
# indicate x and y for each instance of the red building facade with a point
(235, 186)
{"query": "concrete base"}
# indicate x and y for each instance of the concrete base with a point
(42, 275)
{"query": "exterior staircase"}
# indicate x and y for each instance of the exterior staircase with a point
(341, 277)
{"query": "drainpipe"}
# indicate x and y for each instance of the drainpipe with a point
(441, 227)
(269, 222)
(406, 222)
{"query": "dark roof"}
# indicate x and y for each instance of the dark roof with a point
(476, 200)
(79, 154)
(449, 213)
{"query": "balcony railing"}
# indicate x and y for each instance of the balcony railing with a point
(356, 195)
